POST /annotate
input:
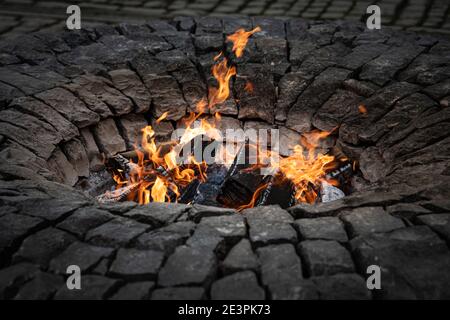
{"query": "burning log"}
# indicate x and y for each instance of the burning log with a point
(279, 190)
(117, 195)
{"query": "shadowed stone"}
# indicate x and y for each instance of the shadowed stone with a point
(108, 137)
(326, 228)
(179, 293)
(440, 223)
(137, 264)
(412, 261)
(85, 219)
(14, 276)
(240, 257)
(324, 257)
(132, 125)
(134, 291)
(41, 287)
(280, 268)
(341, 286)
(238, 286)
(156, 213)
(42, 246)
(188, 266)
(369, 220)
(93, 288)
(83, 255)
(69, 106)
(77, 156)
(232, 227)
(116, 232)
(64, 170)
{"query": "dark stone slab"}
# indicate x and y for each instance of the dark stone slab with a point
(14, 228)
(129, 83)
(109, 139)
(439, 223)
(81, 254)
(179, 293)
(412, 261)
(134, 291)
(369, 220)
(341, 286)
(69, 106)
(241, 257)
(85, 219)
(157, 214)
(92, 288)
(116, 232)
(12, 277)
(137, 264)
(42, 246)
(238, 286)
(42, 287)
(325, 257)
(230, 227)
(326, 228)
(188, 266)
(197, 212)
(280, 269)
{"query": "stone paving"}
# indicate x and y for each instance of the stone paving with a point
(66, 98)
(22, 16)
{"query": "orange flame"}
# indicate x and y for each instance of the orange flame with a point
(240, 39)
(362, 109)
(162, 117)
(249, 87)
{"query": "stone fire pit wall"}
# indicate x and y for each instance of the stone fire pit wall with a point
(66, 98)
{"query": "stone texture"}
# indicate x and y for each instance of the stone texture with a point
(108, 137)
(369, 220)
(440, 223)
(137, 264)
(238, 286)
(281, 269)
(341, 286)
(134, 291)
(83, 255)
(178, 293)
(412, 261)
(276, 231)
(325, 257)
(230, 227)
(93, 288)
(83, 220)
(326, 228)
(116, 232)
(131, 126)
(188, 266)
(240, 257)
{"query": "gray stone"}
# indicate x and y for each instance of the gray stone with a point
(116, 232)
(406, 210)
(77, 156)
(269, 225)
(83, 255)
(197, 212)
(63, 169)
(129, 83)
(69, 106)
(132, 125)
(161, 240)
(326, 228)
(179, 293)
(95, 160)
(85, 219)
(341, 286)
(157, 213)
(440, 223)
(41, 287)
(230, 227)
(108, 137)
(241, 257)
(93, 288)
(134, 291)
(188, 266)
(14, 276)
(15, 227)
(325, 257)
(238, 286)
(369, 220)
(137, 264)
(208, 239)
(42, 246)
(281, 269)
(412, 261)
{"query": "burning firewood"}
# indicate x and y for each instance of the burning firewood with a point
(117, 195)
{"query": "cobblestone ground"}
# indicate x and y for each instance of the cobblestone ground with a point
(22, 16)
(65, 97)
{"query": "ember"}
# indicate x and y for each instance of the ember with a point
(176, 172)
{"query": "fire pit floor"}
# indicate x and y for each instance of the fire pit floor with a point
(67, 98)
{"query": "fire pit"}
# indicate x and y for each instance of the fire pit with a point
(339, 160)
